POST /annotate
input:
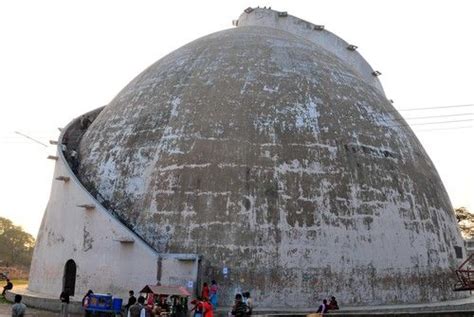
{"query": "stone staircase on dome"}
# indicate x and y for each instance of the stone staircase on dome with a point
(69, 143)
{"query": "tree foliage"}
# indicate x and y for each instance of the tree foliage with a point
(16, 245)
(465, 222)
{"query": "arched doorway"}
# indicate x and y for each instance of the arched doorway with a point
(69, 277)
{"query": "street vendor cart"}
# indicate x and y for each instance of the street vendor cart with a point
(104, 305)
(164, 300)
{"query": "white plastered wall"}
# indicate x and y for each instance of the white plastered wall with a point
(90, 237)
(179, 271)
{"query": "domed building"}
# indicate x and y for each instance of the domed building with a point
(265, 157)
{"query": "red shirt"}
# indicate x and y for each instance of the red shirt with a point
(205, 292)
(208, 309)
(199, 307)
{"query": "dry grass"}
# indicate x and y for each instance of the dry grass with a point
(19, 282)
(16, 282)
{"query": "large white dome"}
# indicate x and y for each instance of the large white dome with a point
(273, 156)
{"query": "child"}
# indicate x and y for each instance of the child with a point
(18, 309)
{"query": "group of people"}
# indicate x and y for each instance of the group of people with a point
(18, 308)
(70, 139)
(151, 306)
(202, 307)
(243, 305)
(325, 306)
(137, 307)
(210, 292)
(205, 305)
(155, 305)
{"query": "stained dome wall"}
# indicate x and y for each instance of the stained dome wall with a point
(271, 156)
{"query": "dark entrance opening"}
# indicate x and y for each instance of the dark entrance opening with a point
(69, 277)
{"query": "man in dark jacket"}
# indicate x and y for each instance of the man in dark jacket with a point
(136, 309)
(240, 309)
(131, 300)
(64, 297)
(323, 308)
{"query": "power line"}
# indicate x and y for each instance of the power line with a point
(395, 119)
(440, 116)
(440, 107)
(452, 128)
(381, 110)
(429, 123)
(30, 138)
(18, 137)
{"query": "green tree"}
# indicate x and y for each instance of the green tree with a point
(16, 245)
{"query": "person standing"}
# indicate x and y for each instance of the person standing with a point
(208, 311)
(205, 291)
(333, 304)
(137, 309)
(248, 301)
(85, 302)
(239, 309)
(131, 299)
(198, 308)
(214, 289)
(64, 297)
(323, 308)
(18, 309)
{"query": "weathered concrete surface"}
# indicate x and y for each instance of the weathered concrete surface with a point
(309, 31)
(266, 154)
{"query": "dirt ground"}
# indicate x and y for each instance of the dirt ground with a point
(6, 311)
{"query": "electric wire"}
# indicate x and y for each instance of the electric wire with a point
(439, 107)
(442, 129)
(430, 123)
(439, 116)
(12, 139)
(30, 138)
